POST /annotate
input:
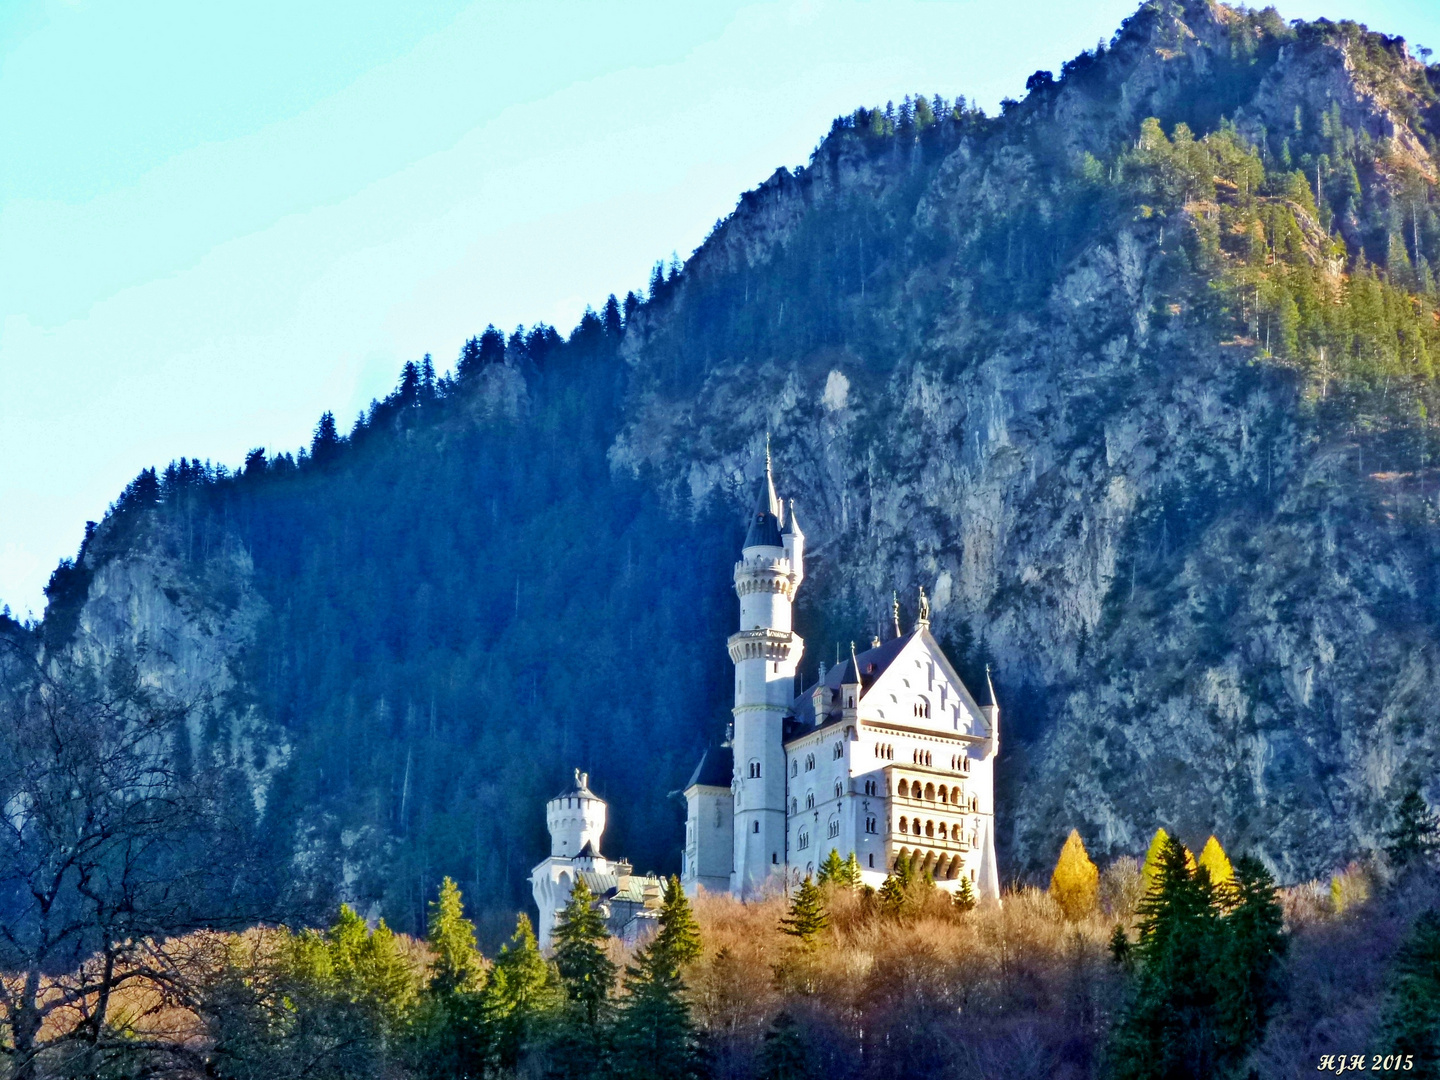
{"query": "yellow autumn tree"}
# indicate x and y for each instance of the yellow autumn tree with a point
(1214, 859)
(1075, 884)
(1152, 858)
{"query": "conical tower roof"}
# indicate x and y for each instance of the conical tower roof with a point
(764, 528)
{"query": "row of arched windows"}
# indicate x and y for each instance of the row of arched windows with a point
(834, 828)
(922, 709)
(916, 827)
(838, 752)
(921, 757)
(947, 796)
(803, 840)
(937, 864)
(960, 763)
(884, 752)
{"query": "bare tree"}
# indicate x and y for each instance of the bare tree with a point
(110, 845)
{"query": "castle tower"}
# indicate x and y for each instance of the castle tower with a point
(766, 652)
(576, 819)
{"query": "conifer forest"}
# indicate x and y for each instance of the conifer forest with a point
(1134, 377)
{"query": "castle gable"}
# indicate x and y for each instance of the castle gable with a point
(917, 687)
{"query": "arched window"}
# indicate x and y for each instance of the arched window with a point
(930, 792)
(755, 826)
(944, 795)
(904, 825)
(869, 824)
(755, 769)
(839, 751)
(974, 802)
(718, 821)
(904, 791)
(794, 767)
(834, 828)
(964, 764)
(804, 840)
(809, 800)
(942, 831)
(794, 806)
(809, 762)
(872, 860)
(922, 708)
(869, 787)
(849, 702)
(927, 757)
(929, 828)
(839, 789)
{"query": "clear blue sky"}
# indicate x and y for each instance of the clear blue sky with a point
(218, 219)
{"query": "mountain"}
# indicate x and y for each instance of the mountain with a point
(1135, 378)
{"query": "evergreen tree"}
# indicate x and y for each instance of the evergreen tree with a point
(523, 996)
(832, 868)
(447, 1035)
(326, 441)
(1254, 933)
(469, 362)
(1411, 1020)
(964, 898)
(783, 1055)
(610, 317)
(1171, 1027)
(1415, 836)
(807, 917)
(850, 872)
(1075, 882)
(492, 346)
(656, 1036)
(580, 957)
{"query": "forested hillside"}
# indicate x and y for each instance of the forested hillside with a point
(1136, 378)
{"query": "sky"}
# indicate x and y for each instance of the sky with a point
(219, 220)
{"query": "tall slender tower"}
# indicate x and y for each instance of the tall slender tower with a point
(766, 652)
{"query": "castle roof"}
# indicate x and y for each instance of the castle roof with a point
(764, 528)
(580, 790)
(716, 768)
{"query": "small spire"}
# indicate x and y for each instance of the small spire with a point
(990, 686)
(895, 610)
(854, 662)
(922, 621)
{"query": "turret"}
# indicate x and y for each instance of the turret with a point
(766, 652)
(794, 541)
(576, 819)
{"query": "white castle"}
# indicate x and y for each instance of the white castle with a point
(628, 901)
(887, 756)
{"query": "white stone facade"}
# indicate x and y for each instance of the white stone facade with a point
(888, 755)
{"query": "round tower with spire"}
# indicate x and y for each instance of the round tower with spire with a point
(576, 819)
(766, 652)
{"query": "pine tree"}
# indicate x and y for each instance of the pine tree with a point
(584, 966)
(964, 898)
(523, 996)
(1415, 835)
(1171, 1027)
(832, 868)
(1254, 932)
(1411, 1019)
(469, 362)
(1216, 863)
(1075, 882)
(807, 917)
(656, 1036)
(446, 1037)
(850, 873)
(451, 936)
(783, 1055)
(326, 441)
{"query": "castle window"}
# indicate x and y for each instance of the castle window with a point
(755, 769)
(834, 829)
(904, 825)
(929, 828)
(944, 795)
(930, 792)
(904, 791)
(922, 709)
(869, 787)
(794, 767)
(839, 789)
(809, 800)
(809, 762)
(965, 764)
(839, 751)
(794, 806)
(755, 827)
(718, 815)
(849, 702)
(804, 840)
(872, 860)
(942, 830)
(870, 825)
(974, 802)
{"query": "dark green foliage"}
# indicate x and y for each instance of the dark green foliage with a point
(964, 898)
(446, 1036)
(784, 1056)
(522, 1001)
(1205, 966)
(656, 1037)
(1415, 836)
(1411, 1022)
(807, 918)
(585, 968)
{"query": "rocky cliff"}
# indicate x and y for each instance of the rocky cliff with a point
(1104, 386)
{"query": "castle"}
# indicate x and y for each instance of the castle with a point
(629, 902)
(886, 756)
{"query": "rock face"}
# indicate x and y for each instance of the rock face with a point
(1210, 614)
(1208, 603)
